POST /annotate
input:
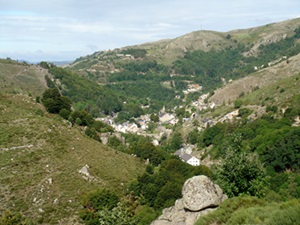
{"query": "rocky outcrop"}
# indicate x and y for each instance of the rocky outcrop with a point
(199, 196)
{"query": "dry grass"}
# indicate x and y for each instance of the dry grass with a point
(40, 177)
(269, 80)
(22, 78)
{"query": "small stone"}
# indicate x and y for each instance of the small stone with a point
(41, 210)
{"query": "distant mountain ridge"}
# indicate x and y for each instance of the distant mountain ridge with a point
(167, 51)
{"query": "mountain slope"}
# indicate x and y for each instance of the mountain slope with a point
(40, 159)
(169, 50)
(22, 78)
(202, 59)
(263, 78)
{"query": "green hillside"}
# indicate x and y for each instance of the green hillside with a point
(41, 155)
(233, 97)
(146, 75)
(21, 78)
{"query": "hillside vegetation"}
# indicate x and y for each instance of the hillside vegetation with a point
(41, 155)
(21, 78)
(230, 99)
(145, 79)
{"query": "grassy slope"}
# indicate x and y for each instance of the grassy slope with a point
(269, 80)
(52, 149)
(21, 78)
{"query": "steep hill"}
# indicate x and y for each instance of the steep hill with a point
(40, 159)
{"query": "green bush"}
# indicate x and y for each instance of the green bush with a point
(238, 103)
(244, 112)
(146, 216)
(96, 201)
(251, 210)
(242, 173)
(114, 142)
(227, 208)
(100, 199)
(286, 216)
(64, 113)
(54, 101)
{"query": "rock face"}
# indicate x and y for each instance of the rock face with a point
(199, 196)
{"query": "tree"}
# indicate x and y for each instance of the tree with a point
(55, 102)
(242, 173)
(175, 141)
(283, 151)
(64, 113)
(211, 133)
(154, 117)
(83, 116)
(193, 136)
(238, 103)
(168, 194)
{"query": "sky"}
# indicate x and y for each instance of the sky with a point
(57, 30)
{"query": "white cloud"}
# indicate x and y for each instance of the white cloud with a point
(80, 27)
(70, 25)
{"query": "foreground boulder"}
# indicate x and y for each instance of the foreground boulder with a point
(199, 196)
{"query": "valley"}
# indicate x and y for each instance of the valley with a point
(97, 141)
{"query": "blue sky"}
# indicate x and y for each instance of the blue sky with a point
(37, 30)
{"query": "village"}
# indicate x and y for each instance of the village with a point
(166, 120)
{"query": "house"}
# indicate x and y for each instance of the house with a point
(192, 160)
(166, 118)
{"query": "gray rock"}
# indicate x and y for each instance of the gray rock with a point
(200, 196)
(200, 192)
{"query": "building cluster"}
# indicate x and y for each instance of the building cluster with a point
(141, 126)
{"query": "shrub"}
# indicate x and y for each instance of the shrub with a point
(100, 199)
(242, 173)
(64, 113)
(286, 216)
(244, 112)
(227, 208)
(238, 103)
(54, 101)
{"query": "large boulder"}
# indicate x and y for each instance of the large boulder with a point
(200, 192)
(200, 196)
